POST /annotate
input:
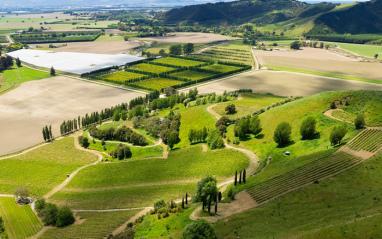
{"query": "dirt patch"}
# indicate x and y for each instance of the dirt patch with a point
(318, 60)
(188, 37)
(204, 148)
(241, 203)
(28, 108)
(283, 83)
(99, 47)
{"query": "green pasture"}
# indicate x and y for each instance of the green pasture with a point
(178, 62)
(220, 68)
(248, 103)
(110, 38)
(22, 74)
(94, 225)
(44, 168)
(20, 221)
(361, 49)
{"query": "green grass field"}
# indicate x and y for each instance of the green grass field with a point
(249, 103)
(192, 75)
(295, 112)
(20, 221)
(194, 118)
(94, 225)
(110, 38)
(345, 206)
(44, 168)
(178, 62)
(23, 74)
(361, 49)
(152, 68)
(157, 83)
(122, 76)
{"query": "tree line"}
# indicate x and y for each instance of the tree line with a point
(123, 134)
(47, 133)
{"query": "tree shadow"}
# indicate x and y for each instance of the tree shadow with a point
(259, 136)
(316, 135)
(286, 145)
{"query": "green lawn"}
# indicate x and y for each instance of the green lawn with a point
(194, 118)
(110, 38)
(277, 68)
(361, 49)
(345, 206)
(249, 103)
(95, 225)
(20, 221)
(42, 169)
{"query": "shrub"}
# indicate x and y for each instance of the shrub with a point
(121, 152)
(160, 203)
(337, 134)
(230, 109)
(199, 229)
(65, 217)
(50, 214)
(308, 128)
(214, 140)
(333, 105)
(282, 133)
(295, 45)
(359, 121)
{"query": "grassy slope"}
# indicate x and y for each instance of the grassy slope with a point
(96, 225)
(42, 169)
(20, 221)
(194, 118)
(345, 206)
(23, 74)
(249, 103)
(295, 112)
(140, 183)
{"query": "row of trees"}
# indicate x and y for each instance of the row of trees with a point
(178, 49)
(54, 216)
(242, 177)
(69, 126)
(207, 193)
(47, 133)
(121, 152)
(248, 125)
(198, 135)
(123, 134)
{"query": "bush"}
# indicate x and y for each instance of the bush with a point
(337, 134)
(65, 217)
(121, 152)
(295, 45)
(308, 128)
(199, 229)
(214, 140)
(282, 133)
(159, 204)
(50, 213)
(359, 121)
(230, 109)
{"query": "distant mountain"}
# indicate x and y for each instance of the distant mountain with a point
(361, 18)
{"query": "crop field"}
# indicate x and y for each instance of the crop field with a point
(23, 74)
(24, 120)
(188, 37)
(144, 67)
(20, 221)
(156, 83)
(369, 140)
(179, 62)
(309, 173)
(123, 76)
(337, 207)
(227, 54)
(344, 115)
(192, 75)
(249, 103)
(220, 68)
(3, 39)
(94, 225)
(44, 168)
(56, 37)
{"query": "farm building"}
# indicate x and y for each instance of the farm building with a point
(76, 63)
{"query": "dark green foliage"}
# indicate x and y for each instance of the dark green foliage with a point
(282, 134)
(216, 207)
(198, 135)
(188, 48)
(123, 134)
(173, 138)
(159, 204)
(308, 128)
(244, 176)
(255, 125)
(176, 49)
(2, 228)
(117, 115)
(6, 63)
(65, 217)
(121, 152)
(295, 45)
(215, 140)
(18, 62)
(52, 71)
(359, 121)
(230, 109)
(337, 134)
(199, 229)
(83, 141)
(333, 105)
(220, 196)
(39, 206)
(205, 188)
(247, 125)
(47, 133)
(50, 213)
(56, 37)
(235, 178)
(240, 178)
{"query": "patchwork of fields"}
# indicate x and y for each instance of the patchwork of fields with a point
(166, 72)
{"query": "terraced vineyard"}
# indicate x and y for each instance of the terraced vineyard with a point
(309, 173)
(20, 221)
(369, 140)
(123, 76)
(179, 62)
(155, 69)
(227, 54)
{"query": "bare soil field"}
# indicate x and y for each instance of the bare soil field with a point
(25, 110)
(100, 47)
(188, 37)
(284, 84)
(319, 60)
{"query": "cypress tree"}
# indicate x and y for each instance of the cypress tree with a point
(43, 133)
(204, 203)
(79, 122)
(216, 207)
(220, 196)
(183, 203)
(244, 176)
(240, 178)
(47, 132)
(50, 132)
(186, 198)
(235, 177)
(209, 204)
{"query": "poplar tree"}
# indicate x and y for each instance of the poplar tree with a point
(235, 177)
(240, 178)
(50, 132)
(244, 176)
(43, 133)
